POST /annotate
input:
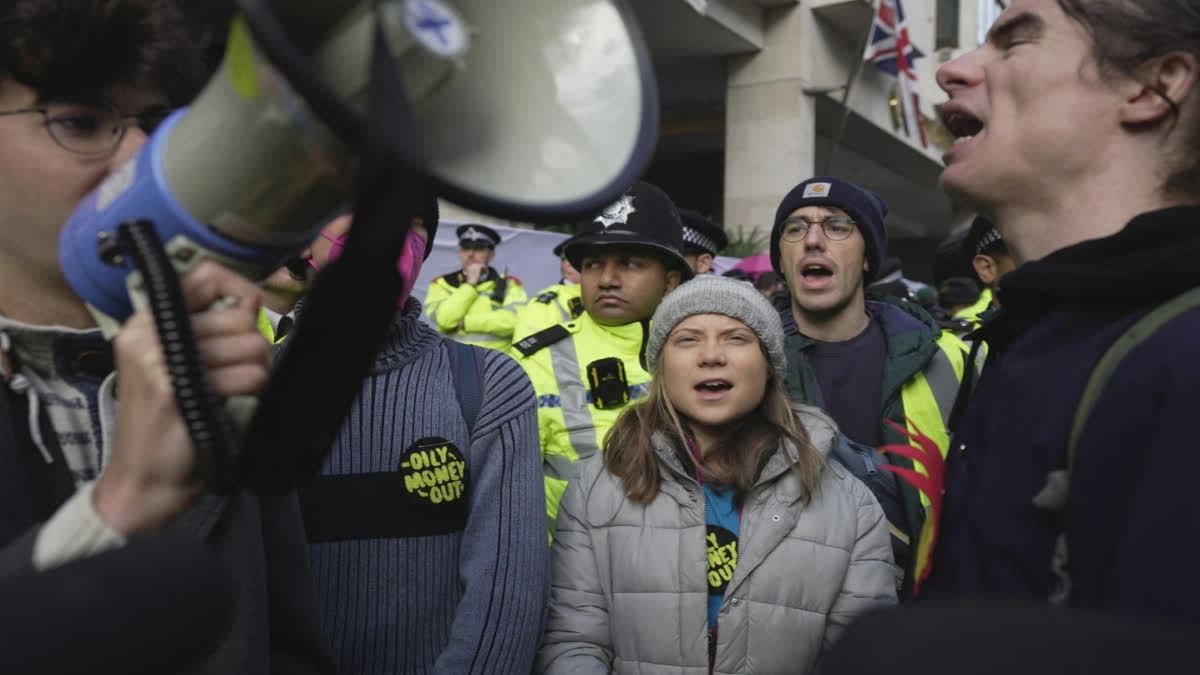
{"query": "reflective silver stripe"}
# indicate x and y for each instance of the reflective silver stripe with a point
(512, 307)
(560, 467)
(566, 314)
(572, 394)
(943, 383)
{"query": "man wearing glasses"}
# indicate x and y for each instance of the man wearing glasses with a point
(81, 471)
(867, 362)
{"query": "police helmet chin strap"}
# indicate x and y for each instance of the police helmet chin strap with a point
(645, 343)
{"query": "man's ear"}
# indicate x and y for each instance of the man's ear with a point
(674, 277)
(1159, 86)
(985, 269)
(704, 263)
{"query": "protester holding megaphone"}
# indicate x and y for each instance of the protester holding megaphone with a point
(82, 469)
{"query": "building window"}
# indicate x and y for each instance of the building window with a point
(989, 11)
(947, 24)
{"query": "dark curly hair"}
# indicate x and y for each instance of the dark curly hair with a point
(75, 46)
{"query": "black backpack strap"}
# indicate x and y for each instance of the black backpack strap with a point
(373, 505)
(965, 388)
(467, 369)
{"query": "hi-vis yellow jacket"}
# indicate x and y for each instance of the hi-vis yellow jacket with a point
(973, 314)
(570, 426)
(559, 303)
(923, 370)
(267, 327)
(487, 320)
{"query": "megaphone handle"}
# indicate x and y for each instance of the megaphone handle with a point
(206, 424)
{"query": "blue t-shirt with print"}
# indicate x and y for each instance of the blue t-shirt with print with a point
(723, 518)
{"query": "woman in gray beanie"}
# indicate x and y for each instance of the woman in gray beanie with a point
(711, 536)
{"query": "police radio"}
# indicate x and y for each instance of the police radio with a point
(608, 384)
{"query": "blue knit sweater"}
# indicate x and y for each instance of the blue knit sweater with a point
(471, 600)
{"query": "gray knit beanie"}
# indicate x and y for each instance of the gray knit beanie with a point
(710, 294)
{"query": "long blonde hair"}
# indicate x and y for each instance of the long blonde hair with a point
(629, 453)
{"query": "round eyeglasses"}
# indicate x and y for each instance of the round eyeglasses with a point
(836, 228)
(91, 128)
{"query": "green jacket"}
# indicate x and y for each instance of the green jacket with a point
(921, 377)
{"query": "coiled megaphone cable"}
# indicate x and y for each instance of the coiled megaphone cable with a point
(346, 317)
(206, 423)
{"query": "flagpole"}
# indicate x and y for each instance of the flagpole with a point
(854, 75)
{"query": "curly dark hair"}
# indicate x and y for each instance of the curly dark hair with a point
(1128, 33)
(74, 46)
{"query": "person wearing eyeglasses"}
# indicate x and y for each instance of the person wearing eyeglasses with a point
(870, 364)
(82, 471)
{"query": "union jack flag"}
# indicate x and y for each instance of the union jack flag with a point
(891, 51)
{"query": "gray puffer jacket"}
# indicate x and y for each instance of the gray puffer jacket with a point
(630, 590)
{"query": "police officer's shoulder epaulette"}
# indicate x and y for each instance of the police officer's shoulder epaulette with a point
(547, 297)
(544, 338)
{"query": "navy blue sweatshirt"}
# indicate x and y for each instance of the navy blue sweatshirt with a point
(1131, 519)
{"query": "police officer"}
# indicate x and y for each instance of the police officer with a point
(587, 371)
(476, 304)
(990, 260)
(702, 241)
(558, 303)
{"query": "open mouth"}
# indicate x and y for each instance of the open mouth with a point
(714, 386)
(815, 276)
(816, 271)
(963, 125)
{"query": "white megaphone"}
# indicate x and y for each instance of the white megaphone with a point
(537, 110)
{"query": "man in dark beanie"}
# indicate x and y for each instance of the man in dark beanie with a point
(870, 364)
(587, 371)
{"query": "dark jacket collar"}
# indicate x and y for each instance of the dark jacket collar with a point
(906, 326)
(1151, 259)
(911, 336)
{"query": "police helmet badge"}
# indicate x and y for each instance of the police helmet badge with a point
(617, 212)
